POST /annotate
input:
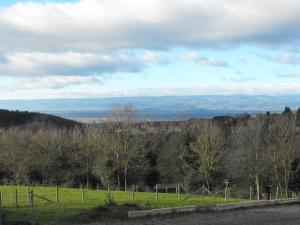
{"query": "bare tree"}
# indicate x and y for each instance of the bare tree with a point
(92, 146)
(46, 146)
(209, 149)
(14, 146)
(75, 137)
(122, 120)
(113, 151)
(282, 148)
(250, 153)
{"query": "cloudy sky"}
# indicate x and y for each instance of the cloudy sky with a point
(98, 48)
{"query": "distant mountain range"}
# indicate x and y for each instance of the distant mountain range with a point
(157, 108)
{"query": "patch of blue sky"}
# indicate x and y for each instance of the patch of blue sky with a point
(247, 64)
(4, 3)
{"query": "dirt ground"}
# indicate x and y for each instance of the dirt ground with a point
(284, 215)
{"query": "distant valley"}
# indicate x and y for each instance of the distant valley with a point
(157, 108)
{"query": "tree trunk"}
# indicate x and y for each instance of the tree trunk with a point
(87, 176)
(119, 183)
(286, 185)
(207, 183)
(278, 179)
(125, 178)
(257, 187)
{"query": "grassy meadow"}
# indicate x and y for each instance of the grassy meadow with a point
(95, 205)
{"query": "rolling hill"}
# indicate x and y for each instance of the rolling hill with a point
(24, 118)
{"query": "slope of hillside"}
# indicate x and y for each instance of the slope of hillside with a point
(23, 118)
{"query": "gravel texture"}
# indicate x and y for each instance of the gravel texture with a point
(280, 215)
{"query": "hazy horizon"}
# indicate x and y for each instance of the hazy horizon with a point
(157, 107)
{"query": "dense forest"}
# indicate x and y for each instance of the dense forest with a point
(260, 151)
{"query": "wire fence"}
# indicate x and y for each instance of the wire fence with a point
(42, 203)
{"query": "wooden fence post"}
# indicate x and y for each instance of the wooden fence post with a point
(32, 201)
(28, 195)
(82, 194)
(250, 193)
(178, 192)
(12, 197)
(20, 191)
(132, 193)
(156, 190)
(226, 188)
(17, 201)
(57, 197)
(1, 198)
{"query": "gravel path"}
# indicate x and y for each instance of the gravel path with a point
(285, 215)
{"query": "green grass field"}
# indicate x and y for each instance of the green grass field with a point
(95, 206)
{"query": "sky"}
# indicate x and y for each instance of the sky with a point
(104, 48)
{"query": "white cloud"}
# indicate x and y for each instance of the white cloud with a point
(152, 58)
(46, 83)
(231, 89)
(288, 59)
(288, 75)
(90, 25)
(57, 82)
(240, 78)
(193, 56)
(291, 59)
(74, 63)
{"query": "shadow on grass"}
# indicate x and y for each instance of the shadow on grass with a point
(107, 212)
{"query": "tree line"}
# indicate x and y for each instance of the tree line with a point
(262, 150)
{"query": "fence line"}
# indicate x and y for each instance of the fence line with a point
(33, 197)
